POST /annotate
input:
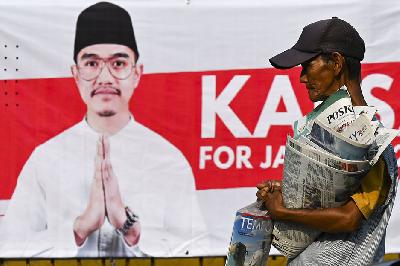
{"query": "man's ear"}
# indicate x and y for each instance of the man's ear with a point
(138, 71)
(74, 72)
(338, 63)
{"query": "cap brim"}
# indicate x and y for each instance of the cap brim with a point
(291, 58)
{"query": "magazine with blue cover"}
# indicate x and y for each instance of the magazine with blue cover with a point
(251, 237)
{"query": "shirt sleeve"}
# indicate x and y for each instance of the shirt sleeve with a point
(373, 189)
(174, 226)
(25, 220)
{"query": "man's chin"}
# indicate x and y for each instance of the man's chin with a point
(314, 97)
(106, 113)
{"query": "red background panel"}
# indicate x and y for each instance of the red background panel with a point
(32, 111)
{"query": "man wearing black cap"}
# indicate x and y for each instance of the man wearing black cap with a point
(330, 52)
(107, 186)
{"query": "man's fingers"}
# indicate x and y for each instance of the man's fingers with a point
(100, 149)
(106, 147)
(261, 194)
(98, 160)
(265, 189)
(98, 168)
(109, 169)
(261, 185)
(276, 183)
(258, 194)
(264, 184)
(105, 170)
(270, 185)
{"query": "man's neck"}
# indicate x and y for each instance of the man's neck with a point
(109, 125)
(354, 88)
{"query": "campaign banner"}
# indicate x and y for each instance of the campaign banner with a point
(209, 118)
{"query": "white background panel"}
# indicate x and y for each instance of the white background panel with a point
(175, 36)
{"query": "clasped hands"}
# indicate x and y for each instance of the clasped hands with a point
(270, 193)
(105, 200)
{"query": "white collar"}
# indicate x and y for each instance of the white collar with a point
(131, 123)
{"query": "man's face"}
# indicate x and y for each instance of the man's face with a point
(106, 75)
(319, 77)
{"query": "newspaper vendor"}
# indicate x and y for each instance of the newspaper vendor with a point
(330, 52)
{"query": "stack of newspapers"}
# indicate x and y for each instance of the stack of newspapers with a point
(325, 164)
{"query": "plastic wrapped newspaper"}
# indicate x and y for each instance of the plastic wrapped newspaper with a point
(251, 237)
(325, 165)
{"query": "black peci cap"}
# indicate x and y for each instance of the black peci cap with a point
(324, 36)
(104, 23)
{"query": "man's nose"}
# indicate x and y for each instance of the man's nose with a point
(303, 76)
(105, 76)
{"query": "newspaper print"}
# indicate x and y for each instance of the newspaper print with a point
(291, 239)
(383, 138)
(361, 130)
(339, 115)
(369, 111)
(335, 143)
(328, 159)
(333, 115)
(325, 184)
(310, 184)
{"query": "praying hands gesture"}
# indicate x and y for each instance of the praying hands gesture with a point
(104, 200)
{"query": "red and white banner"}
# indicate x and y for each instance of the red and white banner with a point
(207, 88)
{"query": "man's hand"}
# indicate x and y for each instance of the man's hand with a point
(104, 200)
(345, 218)
(270, 193)
(94, 215)
(270, 186)
(114, 206)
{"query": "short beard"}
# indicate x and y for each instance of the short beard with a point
(106, 113)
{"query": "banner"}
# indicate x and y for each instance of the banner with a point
(210, 118)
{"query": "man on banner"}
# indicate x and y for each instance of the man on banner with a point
(330, 52)
(107, 186)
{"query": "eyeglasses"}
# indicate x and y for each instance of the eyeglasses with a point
(119, 67)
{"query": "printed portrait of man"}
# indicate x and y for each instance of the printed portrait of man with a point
(107, 186)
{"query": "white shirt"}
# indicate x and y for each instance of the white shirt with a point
(155, 181)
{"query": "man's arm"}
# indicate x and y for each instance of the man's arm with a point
(345, 218)
(24, 227)
(94, 215)
(104, 200)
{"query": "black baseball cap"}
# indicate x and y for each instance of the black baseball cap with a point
(107, 23)
(323, 36)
